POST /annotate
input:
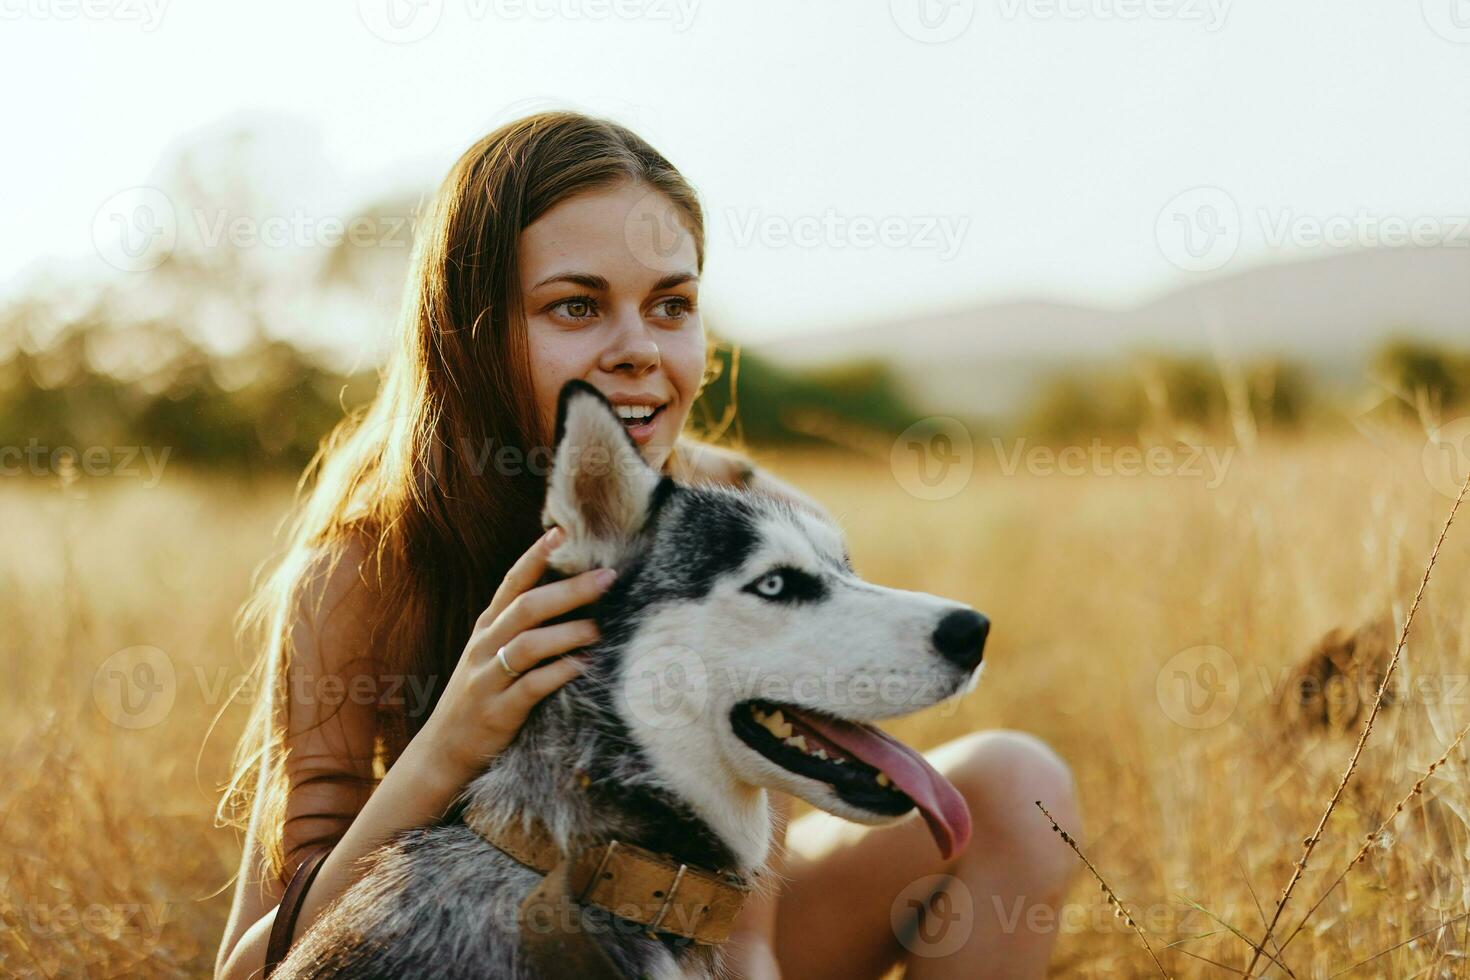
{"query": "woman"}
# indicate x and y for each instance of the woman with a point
(560, 246)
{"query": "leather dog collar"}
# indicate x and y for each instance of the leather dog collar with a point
(631, 882)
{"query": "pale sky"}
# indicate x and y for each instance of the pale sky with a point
(1010, 148)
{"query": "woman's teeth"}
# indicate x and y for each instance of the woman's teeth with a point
(636, 414)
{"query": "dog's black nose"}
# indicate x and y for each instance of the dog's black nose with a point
(960, 637)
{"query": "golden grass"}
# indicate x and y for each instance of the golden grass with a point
(1104, 590)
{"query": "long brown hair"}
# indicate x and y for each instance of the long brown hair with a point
(409, 478)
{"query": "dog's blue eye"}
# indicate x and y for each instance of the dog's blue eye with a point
(787, 584)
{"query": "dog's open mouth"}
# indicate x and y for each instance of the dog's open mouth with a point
(865, 766)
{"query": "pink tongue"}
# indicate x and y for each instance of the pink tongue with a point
(944, 809)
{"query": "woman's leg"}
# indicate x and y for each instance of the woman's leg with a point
(851, 906)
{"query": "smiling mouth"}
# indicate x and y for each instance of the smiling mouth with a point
(645, 421)
(782, 734)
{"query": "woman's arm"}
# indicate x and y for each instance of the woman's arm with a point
(329, 770)
(329, 736)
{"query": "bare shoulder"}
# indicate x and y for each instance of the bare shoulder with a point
(697, 462)
(706, 463)
(332, 607)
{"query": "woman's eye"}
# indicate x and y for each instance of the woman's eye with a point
(674, 308)
(577, 307)
(772, 585)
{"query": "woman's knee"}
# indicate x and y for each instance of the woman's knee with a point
(1002, 773)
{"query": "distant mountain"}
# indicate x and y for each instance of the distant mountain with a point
(1326, 313)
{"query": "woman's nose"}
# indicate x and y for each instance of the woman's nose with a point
(633, 346)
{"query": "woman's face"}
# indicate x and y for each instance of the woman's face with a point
(610, 286)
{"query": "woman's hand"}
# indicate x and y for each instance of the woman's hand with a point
(482, 707)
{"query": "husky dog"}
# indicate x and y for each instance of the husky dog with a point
(740, 652)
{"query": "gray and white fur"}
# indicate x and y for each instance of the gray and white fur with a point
(641, 747)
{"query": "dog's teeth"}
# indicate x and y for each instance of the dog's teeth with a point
(819, 753)
(776, 725)
(760, 715)
(799, 741)
(883, 779)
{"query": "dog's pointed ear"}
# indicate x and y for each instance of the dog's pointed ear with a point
(600, 490)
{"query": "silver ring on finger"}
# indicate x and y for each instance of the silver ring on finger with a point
(505, 664)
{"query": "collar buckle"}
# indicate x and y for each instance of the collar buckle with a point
(668, 899)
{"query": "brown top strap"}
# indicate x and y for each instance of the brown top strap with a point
(635, 883)
(290, 909)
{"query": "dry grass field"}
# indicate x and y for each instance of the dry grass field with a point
(1144, 626)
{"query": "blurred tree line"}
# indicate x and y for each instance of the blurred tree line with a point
(261, 407)
(266, 405)
(1424, 375)
(1157, 395)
